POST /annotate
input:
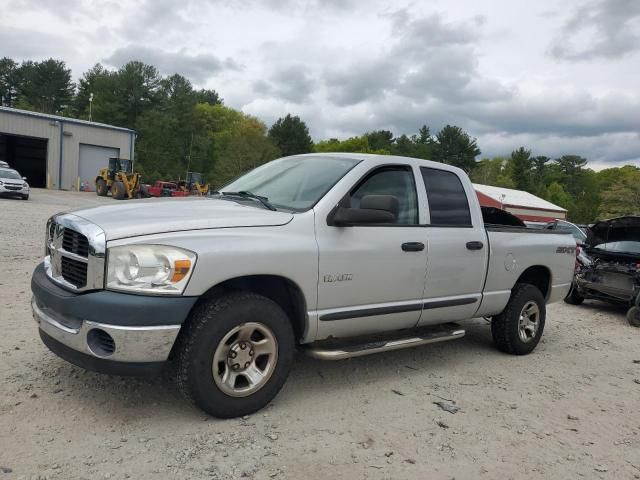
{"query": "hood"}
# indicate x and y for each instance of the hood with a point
(161, 215)
(620, 229)
(12, 181)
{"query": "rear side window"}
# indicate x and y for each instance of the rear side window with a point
(448, 202)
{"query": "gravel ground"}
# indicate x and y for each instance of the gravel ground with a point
(571, 409)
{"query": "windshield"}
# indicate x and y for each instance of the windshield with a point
(622, 247)
(294, 183)
(567, 227)
(12, 174)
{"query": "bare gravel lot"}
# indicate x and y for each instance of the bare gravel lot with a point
(571, 409)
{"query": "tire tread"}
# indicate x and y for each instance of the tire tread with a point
(201, 319)
(501, 324)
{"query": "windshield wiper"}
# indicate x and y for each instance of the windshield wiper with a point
(246, 194)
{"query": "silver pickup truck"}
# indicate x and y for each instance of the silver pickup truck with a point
(340, 254)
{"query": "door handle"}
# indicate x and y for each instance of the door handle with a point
(475, 245)
(413, 246)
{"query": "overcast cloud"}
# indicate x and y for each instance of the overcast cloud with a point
(556, 78)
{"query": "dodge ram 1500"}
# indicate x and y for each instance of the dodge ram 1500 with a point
(340, 254)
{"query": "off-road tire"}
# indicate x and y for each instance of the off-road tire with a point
(573, 297)
(101, 188)
(200, 336)
(505, 326)
(118, 191)
(633, 316)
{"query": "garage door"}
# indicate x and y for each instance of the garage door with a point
(92, 159)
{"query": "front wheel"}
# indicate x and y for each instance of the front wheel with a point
(25, 197)
(517, 330)
(118, 190)
(234, 354)
(101, 187)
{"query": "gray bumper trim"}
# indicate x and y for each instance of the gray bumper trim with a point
(132, 344)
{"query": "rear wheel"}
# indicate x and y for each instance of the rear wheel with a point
(573, 297)
(118, 190)
(517, 330)
(633, 316)
(234, 354)
(101, 187)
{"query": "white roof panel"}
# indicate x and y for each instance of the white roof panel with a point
(516, 198)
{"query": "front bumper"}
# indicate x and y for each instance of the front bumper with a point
(7, 192)
(107, 331)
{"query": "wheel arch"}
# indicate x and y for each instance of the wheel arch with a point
(539, 276)
(282, 290)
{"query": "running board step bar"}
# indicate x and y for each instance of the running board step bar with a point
(329, 350)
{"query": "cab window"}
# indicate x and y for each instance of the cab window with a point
(396, 181)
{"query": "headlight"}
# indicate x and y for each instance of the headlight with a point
(25, 185)
(156, 269)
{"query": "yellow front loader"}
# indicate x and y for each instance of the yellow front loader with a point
(119, 179)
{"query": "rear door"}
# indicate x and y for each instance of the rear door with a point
(457, 249)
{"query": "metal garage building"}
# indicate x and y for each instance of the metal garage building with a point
(59, 152)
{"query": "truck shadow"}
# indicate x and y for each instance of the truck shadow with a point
(137, 399)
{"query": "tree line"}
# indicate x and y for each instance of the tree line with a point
(183, 128)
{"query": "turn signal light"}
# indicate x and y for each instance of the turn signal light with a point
(180, 270)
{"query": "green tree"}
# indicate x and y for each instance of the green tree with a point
(404, 146)
(239, 141)
(521, 168)
(571, 168)
(557, 195)
(424, 144)
(455, 147)
(137, 90)
(622, 197)
(492, 171)
(44, 86)
(107, 105)
(8, 82)
(539, 174)
(352, 144)
(380, 140)
(291, 136)
(208, 96)
(170, 138)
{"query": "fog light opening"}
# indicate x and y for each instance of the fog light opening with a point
(100, 343)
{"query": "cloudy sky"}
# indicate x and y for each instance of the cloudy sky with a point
(556, 77)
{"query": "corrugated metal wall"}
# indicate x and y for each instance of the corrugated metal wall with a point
(72, 134)
(75, 134)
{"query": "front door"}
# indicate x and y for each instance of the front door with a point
(371, 278)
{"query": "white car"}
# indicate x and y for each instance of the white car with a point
(12, 184)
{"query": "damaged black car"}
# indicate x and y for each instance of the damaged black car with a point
(612, 273)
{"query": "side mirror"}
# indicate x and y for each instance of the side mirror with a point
(24, 178)
(373, 209)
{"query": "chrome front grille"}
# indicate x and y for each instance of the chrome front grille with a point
(74, 271)
(75, 252)
(75, 242)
